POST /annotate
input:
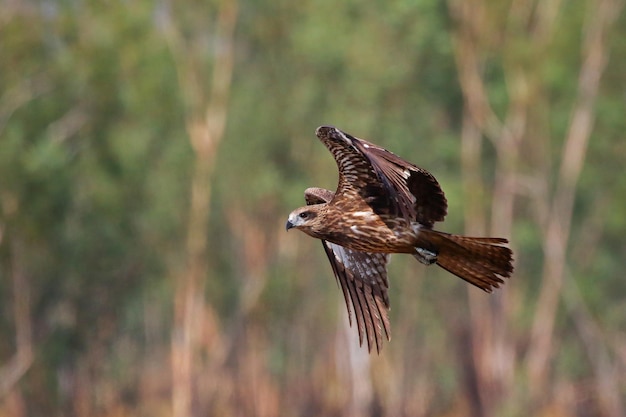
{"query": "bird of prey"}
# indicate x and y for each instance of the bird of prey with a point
(383, 205)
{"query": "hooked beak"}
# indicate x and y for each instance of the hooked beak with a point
(289, 225)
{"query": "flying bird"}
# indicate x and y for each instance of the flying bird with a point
(383, 205)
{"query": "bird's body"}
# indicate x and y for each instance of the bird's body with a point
(383, 205)
(363, 230)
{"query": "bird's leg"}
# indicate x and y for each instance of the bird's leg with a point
(425, 256)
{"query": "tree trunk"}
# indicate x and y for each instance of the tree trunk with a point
(557, 230)
(206, 122)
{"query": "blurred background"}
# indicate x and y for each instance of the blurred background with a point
(151, 151)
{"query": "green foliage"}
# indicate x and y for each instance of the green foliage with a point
(95, 165)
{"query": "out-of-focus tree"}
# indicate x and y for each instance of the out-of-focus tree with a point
(520, 41)
(81, 219)
(112, 183)
(201, 42)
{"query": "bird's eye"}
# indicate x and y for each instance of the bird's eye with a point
(304, 215)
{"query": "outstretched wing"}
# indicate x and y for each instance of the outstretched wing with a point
(363, 280)
(388, 183)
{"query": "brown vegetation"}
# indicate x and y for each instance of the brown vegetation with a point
(150, 153)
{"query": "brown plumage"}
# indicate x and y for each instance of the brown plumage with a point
(383, 205)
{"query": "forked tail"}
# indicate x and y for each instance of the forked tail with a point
(481, 261)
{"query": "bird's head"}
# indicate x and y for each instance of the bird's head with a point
(306, 219)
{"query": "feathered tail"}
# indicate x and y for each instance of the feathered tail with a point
(481, 261)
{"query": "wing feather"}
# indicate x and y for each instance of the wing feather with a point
(416, 192)
(387, 182)
(362, 277)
